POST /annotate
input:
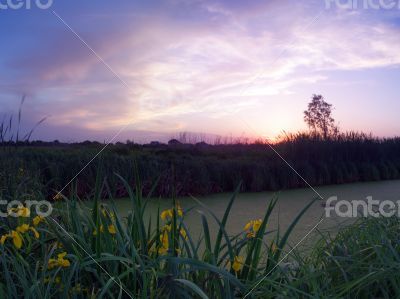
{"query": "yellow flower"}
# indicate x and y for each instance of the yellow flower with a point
(164, 243)
(111, 229)
(162, 250)
(164, 239)
(250, 235)
(4, 238)
(59, 262)
(57, 280)
(20, 211)
(237, 264)
(22, 228)
(17, 239)
(64, 263)
(108, 214)
(166, 214)
(52, 263)
(252, 227)
(179, 210)
(248, 225)
(36, 221)
(167, 227)
(256, 225)
(35, 232)
(101, 230)
(24, 212)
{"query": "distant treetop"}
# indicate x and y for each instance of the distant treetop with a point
(319, 118)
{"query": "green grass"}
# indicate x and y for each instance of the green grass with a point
(154, 257)
(112, 257)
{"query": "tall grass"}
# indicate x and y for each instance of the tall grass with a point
(110, 257)
(86, 251)
(210, 169)
(17, 179)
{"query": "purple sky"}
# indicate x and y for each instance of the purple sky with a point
(216, 67)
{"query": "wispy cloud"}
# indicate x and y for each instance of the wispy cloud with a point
(181, 64)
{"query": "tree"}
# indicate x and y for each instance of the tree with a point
(318, 117)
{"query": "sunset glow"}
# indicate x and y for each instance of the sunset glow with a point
(198, 66)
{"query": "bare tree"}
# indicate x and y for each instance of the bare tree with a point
(318, 117)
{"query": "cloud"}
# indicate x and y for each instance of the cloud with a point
(211, 57)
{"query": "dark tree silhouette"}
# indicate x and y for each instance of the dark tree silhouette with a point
(318, 118)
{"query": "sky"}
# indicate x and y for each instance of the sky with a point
(147, 70)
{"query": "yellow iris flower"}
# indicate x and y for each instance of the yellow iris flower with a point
(16, 235)
(20, 211)
(17, 239)
(164, 243)
(252, 227)
(167, 214)
(37, 220)
(111, 229)
(61, 261)
(237, 264)
(166, 227)
(101, 230)
(23, 228)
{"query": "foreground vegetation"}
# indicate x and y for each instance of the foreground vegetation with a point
(82, 252)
